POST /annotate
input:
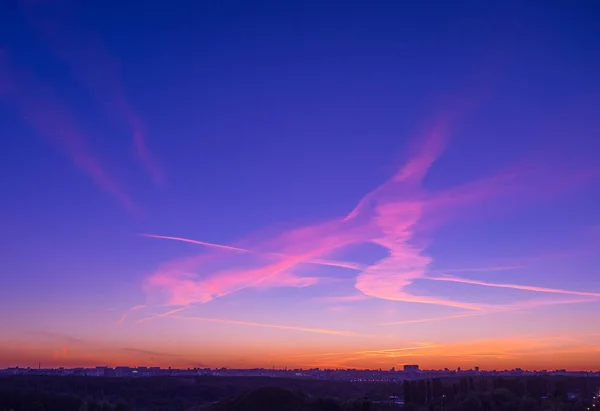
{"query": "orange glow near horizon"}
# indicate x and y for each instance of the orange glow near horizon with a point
(298, 347)
(534, 354)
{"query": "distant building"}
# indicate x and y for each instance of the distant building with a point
(101, 372)
(123, 371)
(411, 368)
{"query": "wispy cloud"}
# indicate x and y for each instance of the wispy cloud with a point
(394, 216)
(386, 217)
(287, 279)
(344, 298)
(280, 327)
(162, 315)
(129, 311)
(37, 105)
(73, 42)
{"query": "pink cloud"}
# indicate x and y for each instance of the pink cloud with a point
(48, 117)
(93, 65)
(428, 150)
(396, 209)
(394, 216)
(287, 279)
(345, 298)
(185, 289)
(388, 218)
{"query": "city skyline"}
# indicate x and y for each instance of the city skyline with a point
(300, 185)
(405, 370)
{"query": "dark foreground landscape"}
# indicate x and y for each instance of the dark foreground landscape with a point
(50, 393)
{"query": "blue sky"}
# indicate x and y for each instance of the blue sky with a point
(261, 126)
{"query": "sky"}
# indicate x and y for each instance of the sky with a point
(300, 184)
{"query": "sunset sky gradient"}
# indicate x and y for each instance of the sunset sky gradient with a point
(300, 184)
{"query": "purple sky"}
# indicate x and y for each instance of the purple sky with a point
(300, 184)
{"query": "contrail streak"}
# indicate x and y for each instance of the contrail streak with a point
(168, 313)
(342, 264)
(281, 327)
(386, 350)
(514, 286)
(481, 269)
(126, 313)
(432, 319)
(187, 240)
(392, 350)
